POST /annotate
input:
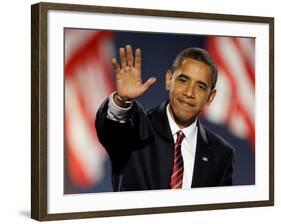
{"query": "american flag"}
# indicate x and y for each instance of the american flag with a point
(88, 81)
(234, 104)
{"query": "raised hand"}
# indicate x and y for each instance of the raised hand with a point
(128, 75)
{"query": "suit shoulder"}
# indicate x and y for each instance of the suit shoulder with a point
(152, 111)
(216, 139)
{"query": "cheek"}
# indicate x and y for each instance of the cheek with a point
(176, 90)
(172, 92)
(202, 100)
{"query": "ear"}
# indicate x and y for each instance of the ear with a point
(211, 96)
(169, 76)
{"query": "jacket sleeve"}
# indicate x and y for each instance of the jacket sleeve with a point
(113, 135)
(120, 139)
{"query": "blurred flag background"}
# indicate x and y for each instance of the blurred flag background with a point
(89, 79)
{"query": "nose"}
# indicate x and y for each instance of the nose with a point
(189, 91)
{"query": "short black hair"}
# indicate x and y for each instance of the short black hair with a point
(199, 54)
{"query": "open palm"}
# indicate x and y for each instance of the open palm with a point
(128, 74)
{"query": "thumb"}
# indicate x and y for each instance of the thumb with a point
(149, 83)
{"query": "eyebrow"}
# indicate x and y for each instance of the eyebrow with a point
(182, 75)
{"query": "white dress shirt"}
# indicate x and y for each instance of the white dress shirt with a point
(188, 146)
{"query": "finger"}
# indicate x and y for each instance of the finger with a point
(116, 66)
(122, 57)
(138, 59)
(130, 57)
(149, 83)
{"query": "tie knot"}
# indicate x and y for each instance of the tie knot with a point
(180, 136)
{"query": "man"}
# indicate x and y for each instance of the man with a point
(165, 147)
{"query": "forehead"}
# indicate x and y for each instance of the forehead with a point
(194, 68)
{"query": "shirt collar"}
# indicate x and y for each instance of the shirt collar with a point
(188, 131)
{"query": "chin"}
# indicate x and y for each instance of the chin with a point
(186, 117)
(183, 119)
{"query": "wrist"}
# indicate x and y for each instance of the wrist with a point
(121, 101)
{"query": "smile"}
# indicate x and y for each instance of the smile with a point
(188, 103)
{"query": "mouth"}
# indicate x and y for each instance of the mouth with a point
(187, 103)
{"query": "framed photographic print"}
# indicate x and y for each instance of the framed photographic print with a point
(79, 51)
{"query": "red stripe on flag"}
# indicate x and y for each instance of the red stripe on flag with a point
(88, 50)
(250, 126)
(245, 60)
(75, 168)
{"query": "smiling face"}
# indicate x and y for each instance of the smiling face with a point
(189, 90)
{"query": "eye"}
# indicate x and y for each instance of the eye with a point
(202, 87)
(182, 79)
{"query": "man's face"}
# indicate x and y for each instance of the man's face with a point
(189, 90)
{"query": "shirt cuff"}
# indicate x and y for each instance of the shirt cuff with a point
(115, 112)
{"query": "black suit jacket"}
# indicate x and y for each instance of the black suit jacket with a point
(141, 151)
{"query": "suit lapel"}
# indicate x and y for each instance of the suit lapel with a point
(166, 145)
(203, 158)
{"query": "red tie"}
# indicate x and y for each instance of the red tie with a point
(177, 172)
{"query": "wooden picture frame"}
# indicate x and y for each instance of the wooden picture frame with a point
(40, 88)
